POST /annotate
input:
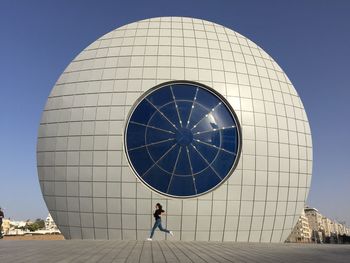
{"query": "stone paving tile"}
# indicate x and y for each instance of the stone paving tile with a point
(67, 251)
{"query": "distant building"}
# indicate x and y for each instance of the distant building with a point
(50, 224)
(301, 232)
(14, 227)
(316, 224)
(330, 232)
(6, 226)
(327, 226)
(20, 227)
(312, 226)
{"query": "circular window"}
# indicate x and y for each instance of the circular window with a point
(182, 139)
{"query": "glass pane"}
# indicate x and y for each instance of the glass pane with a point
(182, 140)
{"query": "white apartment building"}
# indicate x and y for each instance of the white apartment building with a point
(312, 226)
(301, 232)
(315, 223)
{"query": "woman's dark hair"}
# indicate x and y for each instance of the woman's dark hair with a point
(159, 206)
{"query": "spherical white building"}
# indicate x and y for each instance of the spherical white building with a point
(179, 111)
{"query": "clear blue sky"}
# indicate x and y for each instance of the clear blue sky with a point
(309, 39)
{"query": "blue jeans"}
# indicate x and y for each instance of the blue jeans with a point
(158, 224)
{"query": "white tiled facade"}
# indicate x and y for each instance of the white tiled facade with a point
(85, 178)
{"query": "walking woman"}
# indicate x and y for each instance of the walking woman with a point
(158, 223)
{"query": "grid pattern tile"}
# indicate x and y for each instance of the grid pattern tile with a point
(85, 177)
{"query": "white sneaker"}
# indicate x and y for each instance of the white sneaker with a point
(171, 233)
(149, 239)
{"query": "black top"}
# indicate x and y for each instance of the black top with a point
(1, 215)
(157, 213)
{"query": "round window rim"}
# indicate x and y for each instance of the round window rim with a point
(215, 93)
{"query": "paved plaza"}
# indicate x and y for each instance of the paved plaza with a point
(167, 251)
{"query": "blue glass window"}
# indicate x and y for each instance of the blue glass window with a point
(182, 139)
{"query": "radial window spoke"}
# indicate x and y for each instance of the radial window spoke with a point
(189, 116)
(189, 160)
(152, 127)
(216, 173)
(150, 144)
(176, 106)
(213, 130)
(161, 113)
(159, 160)
(172, 175)
(214, 146)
